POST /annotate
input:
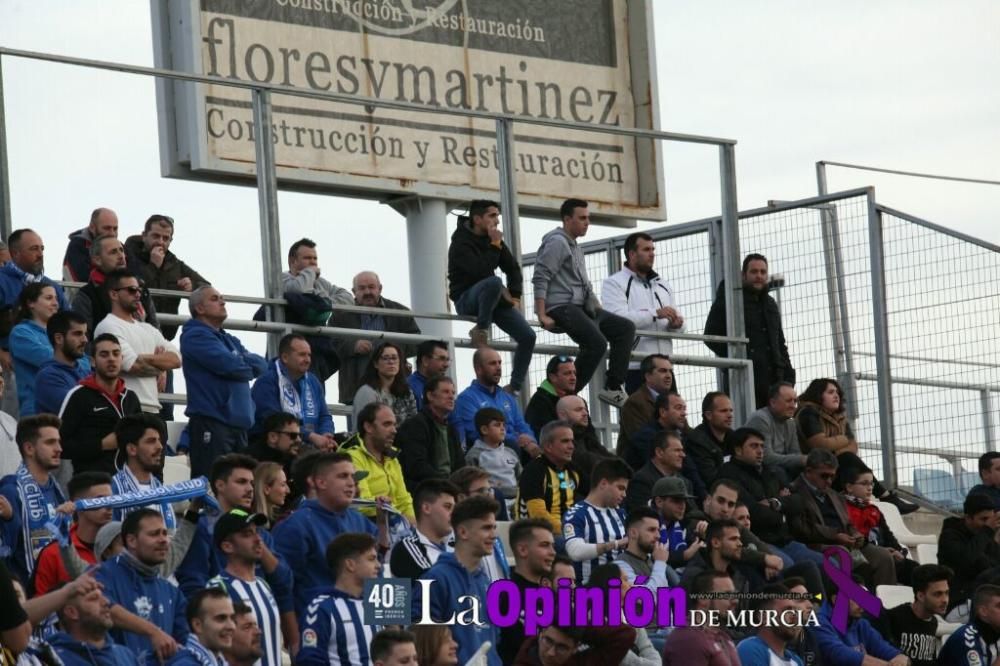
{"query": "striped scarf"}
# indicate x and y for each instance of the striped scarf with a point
(125, 482)
(36, 515)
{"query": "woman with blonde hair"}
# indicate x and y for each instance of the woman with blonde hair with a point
(270, 488)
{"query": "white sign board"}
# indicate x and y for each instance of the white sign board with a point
(585, 61)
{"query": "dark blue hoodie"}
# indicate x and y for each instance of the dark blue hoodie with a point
(76, 653)
(54, 380)
(451, 580)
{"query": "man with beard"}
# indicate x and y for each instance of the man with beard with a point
(76, 262)
(93, 409)
(767, 349)
(140, 445)
(667, 461)
(776, 421)
(148, 611)
(913, 626)
(161, 269)
(289, 387)
(146, 353)
(587, 447)
(978, 642)
(533, 545)
(723, 552)
(26, 265)
(280, 441)
(236, 535)
(246, 649)
(702, 644)
(670, 416)
(85, 621)
(67, 333)
(31, 498)
(560, 381)
(231, 479)
(770, 645)
(372, 452)
(638, 293)
(355, 353)
(91, 301)
(708, 443)
(645, 555)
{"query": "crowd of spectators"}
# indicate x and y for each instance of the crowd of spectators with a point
(275, 561)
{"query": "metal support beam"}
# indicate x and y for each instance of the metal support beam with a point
(508, 187)
(836, 292)
(427, 251)
(883, 368)
(741, 383)
(989, 432)
(267, 197)
(6, 222)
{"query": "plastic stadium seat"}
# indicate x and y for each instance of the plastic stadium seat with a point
(927, 553)
(968, 481)
(939, 487)
(894, 595)
(899, 528)
(503, 534)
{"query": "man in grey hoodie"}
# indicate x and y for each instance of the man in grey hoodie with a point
(565, 300)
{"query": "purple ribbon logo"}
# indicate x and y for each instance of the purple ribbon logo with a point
(837, 565)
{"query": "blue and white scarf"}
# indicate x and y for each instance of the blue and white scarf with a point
(25, 277)
(36, 515)
(164, 495)
(125, 483)
(303, 406)
(202, 654)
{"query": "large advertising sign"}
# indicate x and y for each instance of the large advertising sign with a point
(582, 61)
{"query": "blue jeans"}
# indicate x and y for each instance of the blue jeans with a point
(482, 301)
(793, 550)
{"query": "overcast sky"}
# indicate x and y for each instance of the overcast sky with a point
(906, 84)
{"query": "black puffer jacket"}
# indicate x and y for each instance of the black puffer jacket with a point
(757, 484)
(472, 258)
(969, 553)
(767, 348)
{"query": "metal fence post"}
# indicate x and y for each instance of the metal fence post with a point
(882, 360)
(267, 197)
(741, 386)
(6, 223)
(989, 432)
(508, 186)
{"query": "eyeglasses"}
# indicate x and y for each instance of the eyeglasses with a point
(291, 434)
(132, 290)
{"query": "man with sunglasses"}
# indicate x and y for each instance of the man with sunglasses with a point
(161, 269)
(280, 441)
(146, 354)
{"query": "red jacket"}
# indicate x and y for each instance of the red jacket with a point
(50, 571)
(864, 517)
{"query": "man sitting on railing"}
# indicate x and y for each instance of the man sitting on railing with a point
(565, 299)
(476, 251)
(161, 269)
(310, 302)
(217, 370)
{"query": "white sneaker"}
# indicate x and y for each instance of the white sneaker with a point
(614, 397)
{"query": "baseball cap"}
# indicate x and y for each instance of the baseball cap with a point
(236, 521)
(105, 536)
(671, 486)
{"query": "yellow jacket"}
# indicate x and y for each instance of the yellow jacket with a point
(384, 479)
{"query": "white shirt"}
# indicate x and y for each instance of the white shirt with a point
(10, 456)
(627, 295)
(137, 338)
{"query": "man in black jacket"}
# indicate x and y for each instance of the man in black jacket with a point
(767, 348)
(477, 250)
(92, 302)
(560, 381)
(428, 444)
(766, 499)
(93, 408)
(709, 442)
(355, 353)
(968, 546)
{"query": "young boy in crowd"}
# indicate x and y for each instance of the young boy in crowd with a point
(489, 452)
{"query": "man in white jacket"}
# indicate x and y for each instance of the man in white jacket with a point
(637, 293)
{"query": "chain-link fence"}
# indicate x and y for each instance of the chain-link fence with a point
(942, 310)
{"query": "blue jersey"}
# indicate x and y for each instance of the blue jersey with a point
(594, 525)
(755, 652)
(334, 632)
(258, 596)
(967, 647)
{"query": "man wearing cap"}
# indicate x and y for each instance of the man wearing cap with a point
(560, 381)
(236, 535)
(670, 499)
(302, 538)
(371, 451)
